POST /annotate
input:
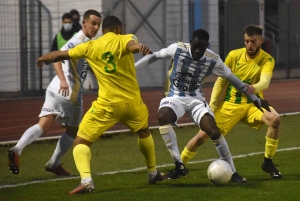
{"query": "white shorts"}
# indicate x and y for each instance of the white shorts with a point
(195, 108)
(66, 111)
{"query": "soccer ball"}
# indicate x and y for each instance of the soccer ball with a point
(219, 172)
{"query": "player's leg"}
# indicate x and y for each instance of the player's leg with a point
(136, 119)
(72, 117)
(191, 148)
(47, 116)
(201, 113)
(95, 122)
(63, 145)
(82, 158)
(169, 112)
(272, 120)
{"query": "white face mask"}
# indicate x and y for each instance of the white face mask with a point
(67, 26)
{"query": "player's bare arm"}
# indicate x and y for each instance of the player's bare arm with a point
(64, 87)
(135, 47)
(52, 57)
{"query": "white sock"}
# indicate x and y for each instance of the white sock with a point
(223, 150)
(63, 145)
(86, 180)
(169, 137)
(28, 137)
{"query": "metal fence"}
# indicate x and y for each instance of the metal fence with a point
(27, 33)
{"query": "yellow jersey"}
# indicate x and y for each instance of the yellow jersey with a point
(248, 71)
(113, 66)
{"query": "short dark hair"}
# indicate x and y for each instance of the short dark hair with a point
(201, 34)
(74, 12)
(111, 22)
(90, 12)
(66, 16)
(251, 30)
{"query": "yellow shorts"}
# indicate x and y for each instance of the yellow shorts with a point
(99, 118)
(227, 115)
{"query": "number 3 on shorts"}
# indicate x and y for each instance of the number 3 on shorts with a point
(108, 57)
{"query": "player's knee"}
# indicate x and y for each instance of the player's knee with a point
(162, 118)
(213, 133)
(275, 121)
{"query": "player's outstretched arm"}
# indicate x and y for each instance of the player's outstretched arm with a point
(242, 87)
(148, 59)
(135, 47)
(52, 57)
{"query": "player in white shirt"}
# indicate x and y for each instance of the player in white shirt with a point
(63, 101)
(191, 64)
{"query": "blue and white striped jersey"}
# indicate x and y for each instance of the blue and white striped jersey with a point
(186, 76)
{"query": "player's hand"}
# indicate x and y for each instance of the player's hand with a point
(250, 89)
(144, 50)
(64, 88)
(41, 61)
(261, 103)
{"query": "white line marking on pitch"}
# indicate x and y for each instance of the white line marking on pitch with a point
(136, 169)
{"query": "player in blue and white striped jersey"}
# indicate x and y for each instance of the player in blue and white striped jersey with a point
(191, 64)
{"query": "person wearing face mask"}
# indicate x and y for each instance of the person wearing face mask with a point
(76, 19)
(66, 32)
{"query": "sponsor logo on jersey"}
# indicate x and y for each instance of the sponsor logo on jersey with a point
(186, 81)
(70, 45)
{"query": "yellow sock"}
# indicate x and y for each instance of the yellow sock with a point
(146, 146)
(82, 157)
(271, 147)
(187, 155)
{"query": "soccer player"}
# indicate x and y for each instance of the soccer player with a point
(119, 99)
(63, 101)
(191, 64)
(255, 67)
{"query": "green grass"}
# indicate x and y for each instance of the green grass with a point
(120, 153)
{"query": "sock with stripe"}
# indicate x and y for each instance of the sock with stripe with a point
(146, 146)
(82, 158)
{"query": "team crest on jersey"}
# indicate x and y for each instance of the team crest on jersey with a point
(70, 45)
(134, 38)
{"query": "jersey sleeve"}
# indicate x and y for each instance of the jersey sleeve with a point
(265, 75)
(268, 65)
(221, 69)
(168, 52)
(229, 60)
(80, 51)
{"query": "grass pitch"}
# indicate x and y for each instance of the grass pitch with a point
(119, 172)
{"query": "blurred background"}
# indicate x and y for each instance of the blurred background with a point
(29, 26)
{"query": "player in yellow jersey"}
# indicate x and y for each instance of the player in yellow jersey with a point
(119, 99)
(254, 67)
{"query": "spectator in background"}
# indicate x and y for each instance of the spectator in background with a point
(66, 32)
(76, 20)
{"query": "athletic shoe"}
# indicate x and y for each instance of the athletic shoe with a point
(88, 187)
(270, 168)
(13, 161)
(238, 178)
(158, 177)
(180, 170)
(59, 170)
